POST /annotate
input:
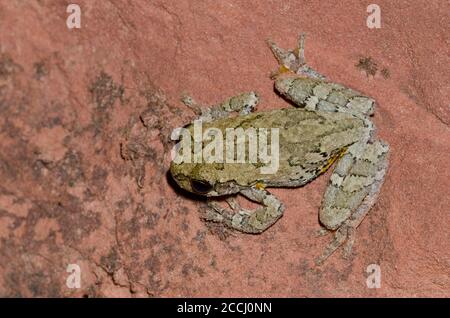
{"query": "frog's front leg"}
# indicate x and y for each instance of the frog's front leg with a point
(243, 104)
(247, 221)
(353, 189)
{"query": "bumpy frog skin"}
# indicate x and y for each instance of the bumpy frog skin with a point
(330, 124)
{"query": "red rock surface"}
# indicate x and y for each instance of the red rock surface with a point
(70, 98)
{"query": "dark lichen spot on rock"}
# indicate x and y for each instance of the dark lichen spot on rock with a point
(153, 264)
(386, 73)
(189, 269)
(218, 229)
(8, 67)
(104, 94)
(69, 170)
(146, 217)
(184, 210)
(184, 226)
(368, 65)
(41, 285)
(151, 220)
(34, 279)
(7, 169)
(40, 70)
(200, 239)
(98, 179)
(75, 222)
(111, 262)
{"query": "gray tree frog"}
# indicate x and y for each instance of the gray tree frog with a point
(330, 123)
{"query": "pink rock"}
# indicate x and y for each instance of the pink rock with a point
(70, 102)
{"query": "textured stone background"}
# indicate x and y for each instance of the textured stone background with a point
(70, 108)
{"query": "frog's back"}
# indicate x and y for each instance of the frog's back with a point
(308, 143)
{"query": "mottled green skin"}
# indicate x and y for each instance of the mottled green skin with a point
(308, 142)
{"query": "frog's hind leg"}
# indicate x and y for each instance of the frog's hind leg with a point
(311, 91)
(318, 95)
(243, 104)
(248, 221)
(353, 189)
(293, 60)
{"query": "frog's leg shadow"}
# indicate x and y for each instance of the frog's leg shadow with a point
(243, 104)
(247, 221)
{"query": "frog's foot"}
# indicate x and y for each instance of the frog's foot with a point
(293, 60)
(243, 104)
(248, 221)
(354, 187)
(345, 234)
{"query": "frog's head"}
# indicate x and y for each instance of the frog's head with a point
(202, 179)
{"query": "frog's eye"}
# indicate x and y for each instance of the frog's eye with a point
(201, 187)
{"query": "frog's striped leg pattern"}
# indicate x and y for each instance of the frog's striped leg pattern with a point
(243, 104)
(318, 95)
(353, 189)
(248, 221)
